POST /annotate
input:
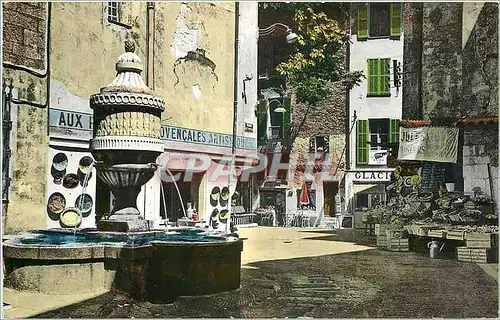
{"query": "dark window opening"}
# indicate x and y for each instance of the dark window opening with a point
(379, 20)
(379, 134)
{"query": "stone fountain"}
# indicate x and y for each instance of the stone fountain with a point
(126, 140)
(122, 254)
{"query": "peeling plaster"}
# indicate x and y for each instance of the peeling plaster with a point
(185, 38)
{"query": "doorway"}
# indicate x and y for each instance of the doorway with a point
(330, 189)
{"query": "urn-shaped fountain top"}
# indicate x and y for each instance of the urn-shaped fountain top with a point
(128, 87)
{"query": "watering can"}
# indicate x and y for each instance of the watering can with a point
(434, 249)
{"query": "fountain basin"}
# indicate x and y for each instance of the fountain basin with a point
(154, 266)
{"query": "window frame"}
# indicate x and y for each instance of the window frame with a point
(363, 15)
(374, 83)
(119, 15)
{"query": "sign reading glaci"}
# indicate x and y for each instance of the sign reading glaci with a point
(372, 176)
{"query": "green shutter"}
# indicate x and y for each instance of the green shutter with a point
(262, 120)
(287, 116)
(363, 135)
(384, 77)
(362, 23)
(394, 131)
(372, 77)
(395, 20)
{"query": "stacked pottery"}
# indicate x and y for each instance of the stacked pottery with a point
(126, 140)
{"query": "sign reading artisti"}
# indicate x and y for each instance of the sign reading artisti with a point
(439, 144)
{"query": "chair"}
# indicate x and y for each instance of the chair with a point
(267, 219)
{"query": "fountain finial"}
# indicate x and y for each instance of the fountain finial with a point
(129, 46)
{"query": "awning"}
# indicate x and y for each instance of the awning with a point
(362, 187)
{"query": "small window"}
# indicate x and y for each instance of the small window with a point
(319, 144)
(113, 11)
(379, 20)
(379, 134)
(378, 77)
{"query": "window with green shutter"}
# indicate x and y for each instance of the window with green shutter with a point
(262, 120)
(362, 23)
(362, 138)
(378, 77)
(395, 20)
(394, 131)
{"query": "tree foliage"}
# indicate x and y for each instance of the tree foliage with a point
(319, 57)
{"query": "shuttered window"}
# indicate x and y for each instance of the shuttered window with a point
(395, 20)
(394, 131)
(362, 23)
(362, 138)
(379, 20)
(378, 77)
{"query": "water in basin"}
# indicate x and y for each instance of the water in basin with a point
(49, 237)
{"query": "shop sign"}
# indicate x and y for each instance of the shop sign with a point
(72, 124)
(378, 157)
(372, 176)
(439, 144)
(171, 133)
(248, 127)
(78, 125)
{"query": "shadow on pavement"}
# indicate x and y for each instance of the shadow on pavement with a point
(364, 284)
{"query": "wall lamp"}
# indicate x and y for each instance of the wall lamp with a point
(291, 36)
(279, 109)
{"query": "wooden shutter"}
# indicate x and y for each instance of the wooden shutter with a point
(395, 17)
(372, 76)
(394, 131)
(287, 116)
(384, 77)
(363, 23)
(363, 135)
(262, 120)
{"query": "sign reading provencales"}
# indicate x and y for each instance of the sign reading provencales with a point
(78, 125)
(439, 144)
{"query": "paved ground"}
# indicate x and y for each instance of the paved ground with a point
(288, 275)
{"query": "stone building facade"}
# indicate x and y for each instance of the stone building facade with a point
(309, 129)
(188, 53)
(451, 78)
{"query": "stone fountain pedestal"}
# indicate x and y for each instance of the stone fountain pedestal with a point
(126, 140)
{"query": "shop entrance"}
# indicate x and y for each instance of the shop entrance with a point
(189, 191)
(330, 189)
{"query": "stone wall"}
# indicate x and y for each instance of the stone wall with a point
(412, 62)
(441, 60)
(480, 59)
(24, 33)
(24, 44)
(457, 44)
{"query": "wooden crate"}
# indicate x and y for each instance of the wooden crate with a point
(456, 235)
(382, 241)
(395, 234)
(380, 229)
(398, 245)
(477, 255)
(482, 240)
(437, 233)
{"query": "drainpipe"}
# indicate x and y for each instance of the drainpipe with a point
(150, 17)
(235, 97)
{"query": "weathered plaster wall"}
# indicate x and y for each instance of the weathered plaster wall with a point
(24, 34)
(84, 50)
(480, 150)
(194, 71)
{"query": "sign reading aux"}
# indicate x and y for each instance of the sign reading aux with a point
(78, 125)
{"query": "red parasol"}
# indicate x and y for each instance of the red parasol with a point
(304, 195)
